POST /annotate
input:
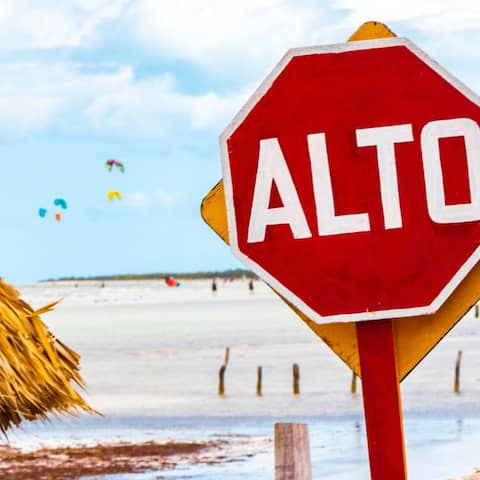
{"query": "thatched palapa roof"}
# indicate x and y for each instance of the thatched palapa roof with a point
(36, 369)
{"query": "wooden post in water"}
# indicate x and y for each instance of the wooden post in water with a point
(353, 384)
(221, 373)
(221, 380)
(476, 310)
(292, 452)
(456, 383)
(227, 356)
(259, 381)
(296, 379)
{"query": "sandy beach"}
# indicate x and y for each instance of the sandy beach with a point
(151, 357)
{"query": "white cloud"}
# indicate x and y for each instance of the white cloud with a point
(27, 112)
(155, 106)
(138, 199)
(218, 32)
(248, 36)
(35, 96)
(159, 197)
(431, 16)
(166, 199)
(30, 24)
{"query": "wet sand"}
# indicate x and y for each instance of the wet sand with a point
(75, 462)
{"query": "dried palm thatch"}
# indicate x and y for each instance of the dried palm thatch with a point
(36, 369)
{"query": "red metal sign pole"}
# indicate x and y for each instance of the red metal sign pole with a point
(381, 400)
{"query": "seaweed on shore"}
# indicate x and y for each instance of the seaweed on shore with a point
(71, 463)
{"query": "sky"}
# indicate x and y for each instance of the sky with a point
(153, 83)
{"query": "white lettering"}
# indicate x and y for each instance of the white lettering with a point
(385, 138)
(272, 167)
(328, 222)
(432, 132)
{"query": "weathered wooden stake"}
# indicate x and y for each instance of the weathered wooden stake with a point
(221, 380)
(296, 379)
(353, 384)
(227, 356)
(456, 383)
(476, 310)
(259, 381)
(292, 452)
(221, 373)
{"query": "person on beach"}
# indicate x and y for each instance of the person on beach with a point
(214, 286)
(250, 287)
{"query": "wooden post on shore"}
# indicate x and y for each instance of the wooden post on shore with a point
(353, 384)
(476, 310)
(292, 452)
(456, 383)
(296, 379)
(259, 381)
(221, 373)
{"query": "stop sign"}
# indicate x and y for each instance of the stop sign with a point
(352, 181)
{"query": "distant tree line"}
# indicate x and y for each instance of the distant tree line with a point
(233, 273)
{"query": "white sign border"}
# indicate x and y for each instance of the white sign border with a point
(227, 181)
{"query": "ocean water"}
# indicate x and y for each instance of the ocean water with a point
(151, 354)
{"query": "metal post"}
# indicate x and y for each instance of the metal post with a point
(381, 400)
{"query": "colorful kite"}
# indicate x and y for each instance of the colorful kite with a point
(60, 202)
(112, 194)
(111, 163)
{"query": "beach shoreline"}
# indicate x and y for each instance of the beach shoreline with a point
(151, 356)
(121, 457)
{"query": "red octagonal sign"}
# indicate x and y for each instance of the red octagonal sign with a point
(352, 181)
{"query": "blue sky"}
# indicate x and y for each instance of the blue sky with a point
(153, 83)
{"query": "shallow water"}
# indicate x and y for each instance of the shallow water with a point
(151, 354)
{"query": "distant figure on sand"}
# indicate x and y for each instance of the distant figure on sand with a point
(214, 287)
(250, 287)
